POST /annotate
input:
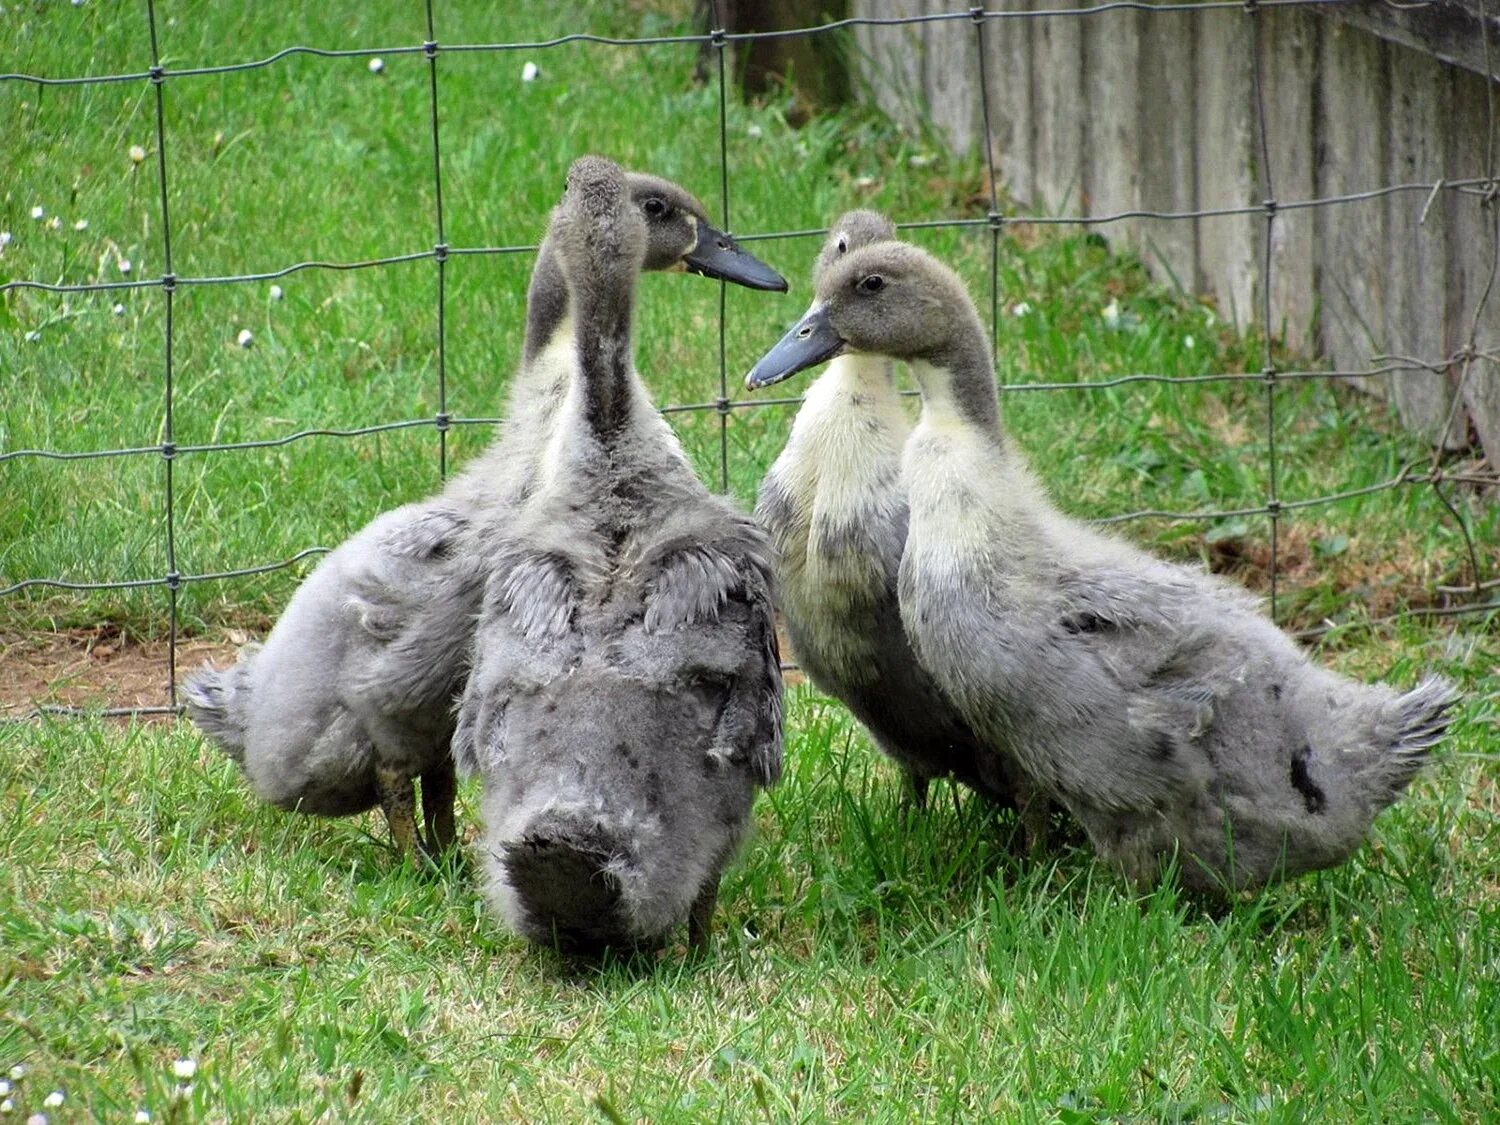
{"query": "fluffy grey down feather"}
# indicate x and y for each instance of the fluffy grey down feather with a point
(1156, 702)
(365, 664)
(625, 699)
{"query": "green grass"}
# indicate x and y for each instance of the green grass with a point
(867, 963)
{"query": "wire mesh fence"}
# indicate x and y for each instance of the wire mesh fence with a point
(1475, 596)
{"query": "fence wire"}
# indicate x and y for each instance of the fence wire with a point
(1429, 472)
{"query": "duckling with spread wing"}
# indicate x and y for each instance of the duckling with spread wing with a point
(625, 700)
(352, 695)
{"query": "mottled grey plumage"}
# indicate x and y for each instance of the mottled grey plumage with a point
(834, 504)
(625, 699)
(352, 694)
(1156, 702)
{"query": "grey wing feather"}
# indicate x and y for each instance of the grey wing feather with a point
(766, 751)
(528, 598)
(383, 588)
(535, 589)
(691, 586)
(757, 700)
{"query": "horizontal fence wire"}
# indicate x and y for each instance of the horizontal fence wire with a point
(1429, 473)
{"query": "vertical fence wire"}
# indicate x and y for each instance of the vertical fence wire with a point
(1484, 192)
(996, 219)
(439, 250)
(1268, 359)
(169, 286)
(719, 40)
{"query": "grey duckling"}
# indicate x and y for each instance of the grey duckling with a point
(352, 695)
(1154, 701)
(625, 700)
(835, 506)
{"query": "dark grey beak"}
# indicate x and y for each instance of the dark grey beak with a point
(807, 343)
(717, 255)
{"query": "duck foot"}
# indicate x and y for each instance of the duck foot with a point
(398, 802)
(701, 917)
(1034, 810)
(438, 788)
(914, 800)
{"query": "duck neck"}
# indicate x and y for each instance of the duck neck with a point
(958, 384)
(546, 303)
(861, 373)
(603, 305)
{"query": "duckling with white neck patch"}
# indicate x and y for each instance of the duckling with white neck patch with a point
(835, 506)
(352, 696)
(625, 701)
(1155, 702)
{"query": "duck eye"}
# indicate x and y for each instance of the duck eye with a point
(655, 208)
(874, 283)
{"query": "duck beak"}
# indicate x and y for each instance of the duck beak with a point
(809, 342)
(716, 255)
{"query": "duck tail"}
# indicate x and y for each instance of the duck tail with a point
(1421, 718)
(218, 701)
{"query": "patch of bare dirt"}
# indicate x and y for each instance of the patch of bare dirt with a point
(96, 668)
(102, 667)
(1384, 578)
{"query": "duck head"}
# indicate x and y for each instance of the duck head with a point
(851, 231)
(680, 237)
(886, 298)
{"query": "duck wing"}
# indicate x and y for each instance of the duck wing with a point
(523, 638)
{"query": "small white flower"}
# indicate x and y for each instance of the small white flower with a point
(54, 1099)
(920, 160)
(863, 182)
(7, 1106)
(124, 265)
(118, 310)
(754, 132)
(4, 1087)
(277, 293)
(81, 224)
(4, 239)
(137, 154)
(1189, 343)
(529, 72)
(376, 66)
(54, 223)
(1111, 313)
(186, 1068)
(37, 212)
(78, 3)
(142, 1117)
(31, 338)
(1020, 308)
(244, 340)
(37, 1119)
